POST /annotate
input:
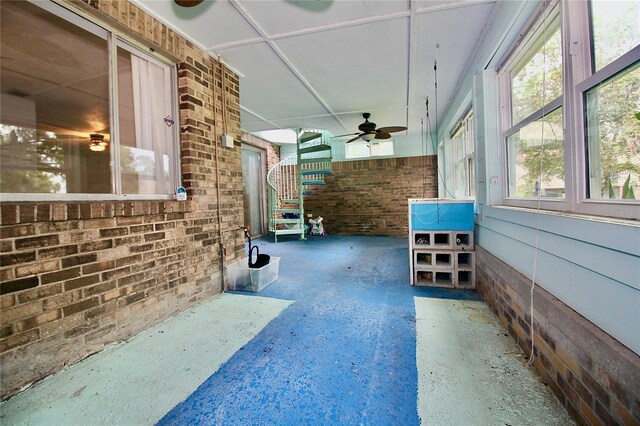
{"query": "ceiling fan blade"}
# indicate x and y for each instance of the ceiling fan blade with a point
(348, 134)
(353, 139)
(391, 129)
(383, 135)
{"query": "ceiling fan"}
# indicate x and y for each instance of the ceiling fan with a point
(188, 3)
(369, 132)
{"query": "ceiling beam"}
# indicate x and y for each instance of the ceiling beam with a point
(258, 116)
(411, 50)
(241, 10)
(414, 10)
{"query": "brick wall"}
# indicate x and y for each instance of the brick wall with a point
(369, 197)
(596, 378)
(76, 276)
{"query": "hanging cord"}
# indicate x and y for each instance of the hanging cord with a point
(539, 184)
(423, 143)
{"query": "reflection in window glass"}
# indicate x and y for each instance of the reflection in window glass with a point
(616, 29)
(537, 80)
(613, 136)
(536, 158)
(55, 93)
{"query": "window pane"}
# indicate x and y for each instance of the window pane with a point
(380, 149)
(357, 149)
(536, 158)
(616, 29)
(146, 139)
(54, 85)
(613, 136)
(538, 78)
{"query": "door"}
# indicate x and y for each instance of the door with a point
(253, 181)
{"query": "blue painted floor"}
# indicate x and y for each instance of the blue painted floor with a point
(342, 353)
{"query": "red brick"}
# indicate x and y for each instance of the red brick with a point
(80, 306)
(17, 231)
(40, 292)
(55, 252)
(37, 242)
(37, 321)
(19, 340)
(98, 267)
(43, 212)
(7, 287)
(37, 268)
(96, 245)
(79, 260)
(81, 282)
(154, 236)
(113, 232)
(9, 214)
(21, 312)
(27, 213)
(17, 258)
(60, 275)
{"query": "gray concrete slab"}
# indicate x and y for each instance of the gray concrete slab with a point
(471, 373)
(138, 381)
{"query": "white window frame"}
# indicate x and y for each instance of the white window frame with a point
(578, 79)
(466, 125)
(585, 79)
(368, 144)
(535, 29)
(114, 39)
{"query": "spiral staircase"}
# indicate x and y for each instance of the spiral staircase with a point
(293, 178)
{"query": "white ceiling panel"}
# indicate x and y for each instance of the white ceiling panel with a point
(268, 87)
(322, 63)
(211, 23)
(281, 17)
(440, 38)
(357, 68)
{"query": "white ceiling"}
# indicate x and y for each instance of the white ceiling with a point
(322, 63)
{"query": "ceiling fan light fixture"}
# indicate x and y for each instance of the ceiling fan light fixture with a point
(97, 142)
(368, 136)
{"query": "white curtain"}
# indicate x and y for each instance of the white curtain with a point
(152, 103)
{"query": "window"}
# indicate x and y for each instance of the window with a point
(60, 135)
(364, 149)
(570, 92)
(462, 148)
(611, 98)
(533, 113)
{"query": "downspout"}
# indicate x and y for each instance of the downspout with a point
(215, 145)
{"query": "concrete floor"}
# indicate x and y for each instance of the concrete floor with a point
(340, 338)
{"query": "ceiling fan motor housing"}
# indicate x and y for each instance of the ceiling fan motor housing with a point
(367, 126)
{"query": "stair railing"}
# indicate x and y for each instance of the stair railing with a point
(282, 180)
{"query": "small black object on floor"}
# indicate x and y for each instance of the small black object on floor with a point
(261, 259)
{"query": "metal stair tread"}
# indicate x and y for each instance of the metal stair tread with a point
(316, 160)
(291, 201)
(309, 136)
(313, 182)
(286, 221)
(314, 148)
(287, 210)
(288, 231)
(316, 172)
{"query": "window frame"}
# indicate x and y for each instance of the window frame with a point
(115, 39)
(368, 144)
(466, 125)
(534, 30)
